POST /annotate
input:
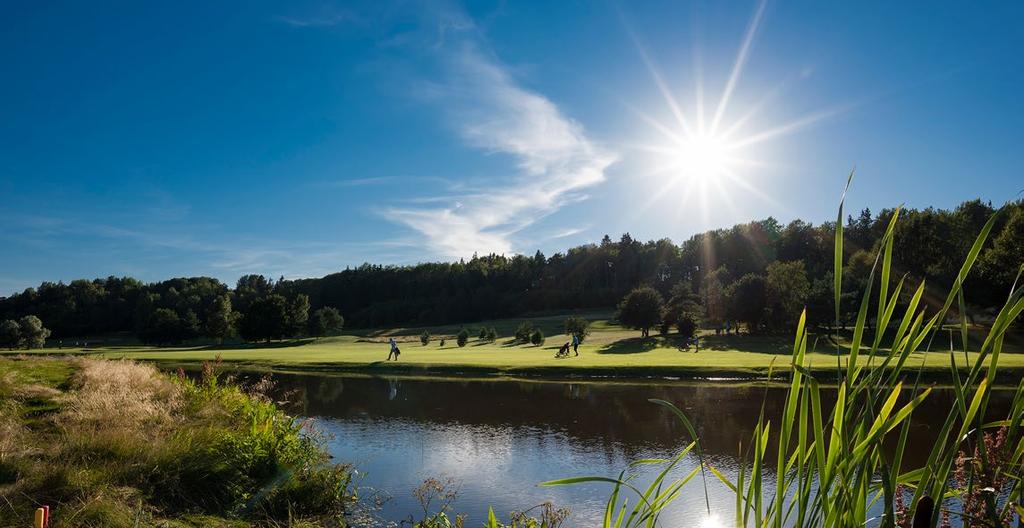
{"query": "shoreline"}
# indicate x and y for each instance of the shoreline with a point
(1006, 376)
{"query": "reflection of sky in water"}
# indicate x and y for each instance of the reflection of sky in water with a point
(497, 467)
(498, 439)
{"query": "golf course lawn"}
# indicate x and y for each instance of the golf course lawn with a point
(609, 350)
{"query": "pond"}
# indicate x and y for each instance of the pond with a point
(497, 438)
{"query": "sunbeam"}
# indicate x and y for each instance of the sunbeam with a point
(713, 151)
(737, 68)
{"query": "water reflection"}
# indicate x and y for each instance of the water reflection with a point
(499, 438)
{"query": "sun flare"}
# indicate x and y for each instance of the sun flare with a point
(702, 158)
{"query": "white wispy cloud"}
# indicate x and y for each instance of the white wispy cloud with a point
(554, 159)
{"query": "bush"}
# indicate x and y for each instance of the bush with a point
(687, 324)
(577, 326)
(537, 337)
(425, 338)
(326, 321)
(462, 337)
(524, 331)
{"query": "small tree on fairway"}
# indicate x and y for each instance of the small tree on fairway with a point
(787, 290)
(483, 333)
(326, 321)
(33, 333)
(537, 337)
(462, 337)
(10, 334)
(524, 331)
(577, 326)
(425, 338)
(641, 309)
(492, 334)
(747, 301)
(687, 324)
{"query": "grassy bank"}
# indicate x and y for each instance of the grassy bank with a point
(609, 351)
(112, 444)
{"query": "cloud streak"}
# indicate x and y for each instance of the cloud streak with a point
(554, 159)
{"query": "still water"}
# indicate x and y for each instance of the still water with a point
(498, 438)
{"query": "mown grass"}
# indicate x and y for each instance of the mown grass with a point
(736, 356)
(123, 445)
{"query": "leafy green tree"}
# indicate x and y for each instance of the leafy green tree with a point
(524, 331)
(537, 337)
(220, 319)
(747, 300)
(425, 338)
(462, 337)
(787, 290)
(1006, 257)
(482, 335)
(492, 334)
(687, 324)
(714, 294)
(683, 299)
(298, 315)
(577, 326)
(33, 333)
(10, 334)
(249, 288)
(163, 328)
(266, 319)
(190, 325)
(326, 321)
(641, 309)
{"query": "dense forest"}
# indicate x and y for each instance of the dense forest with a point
(760, 273)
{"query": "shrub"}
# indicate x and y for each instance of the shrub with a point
(537, 337)
(687, 324)
(577, 326)
(462, 337)
(326, 321)
(524, 331)
(425, 338)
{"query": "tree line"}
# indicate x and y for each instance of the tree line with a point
(760, 274)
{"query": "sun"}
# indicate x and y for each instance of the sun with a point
(706, 152)
(702, 158)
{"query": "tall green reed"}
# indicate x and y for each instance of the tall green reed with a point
(831, 467)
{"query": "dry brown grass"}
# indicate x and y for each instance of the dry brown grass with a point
(124, 393)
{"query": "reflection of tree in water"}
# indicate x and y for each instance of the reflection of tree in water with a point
(329, 390)
(612, 418)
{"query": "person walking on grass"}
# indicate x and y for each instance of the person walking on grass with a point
(576, 344)
(394, 349)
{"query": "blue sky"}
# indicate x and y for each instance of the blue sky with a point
(210, 138)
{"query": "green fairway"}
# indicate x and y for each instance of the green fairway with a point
(609, 350)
